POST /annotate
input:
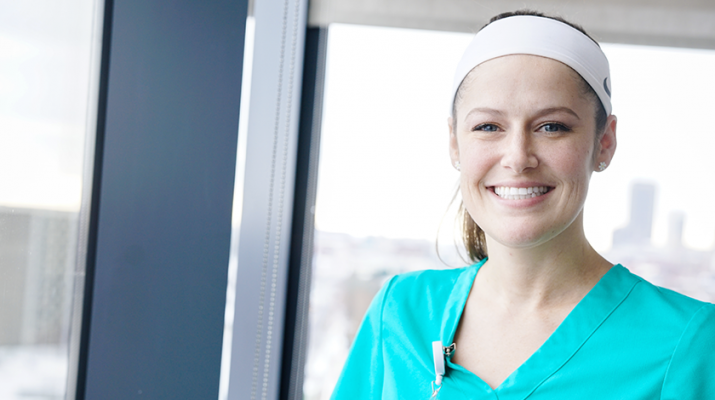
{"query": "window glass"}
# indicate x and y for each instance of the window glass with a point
(46, 59)
(385, 181)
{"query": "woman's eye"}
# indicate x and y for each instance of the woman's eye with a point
(553, 127)
(486, 128)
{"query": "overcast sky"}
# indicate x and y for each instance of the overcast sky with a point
(44, 83)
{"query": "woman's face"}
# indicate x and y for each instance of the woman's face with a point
(524, 134)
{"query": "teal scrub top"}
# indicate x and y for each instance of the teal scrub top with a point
(626, 339)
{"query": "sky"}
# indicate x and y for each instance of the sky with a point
(384, 165)
(44, 86)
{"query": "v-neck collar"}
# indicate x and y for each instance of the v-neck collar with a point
(588, 315)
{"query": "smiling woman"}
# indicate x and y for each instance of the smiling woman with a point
(543, 316)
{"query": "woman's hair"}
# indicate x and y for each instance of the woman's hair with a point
(472, 235)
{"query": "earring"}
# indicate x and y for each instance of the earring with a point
(457, 166)
(602, 166)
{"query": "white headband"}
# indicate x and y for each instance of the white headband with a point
(540, 36)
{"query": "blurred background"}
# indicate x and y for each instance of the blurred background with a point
(384, 182)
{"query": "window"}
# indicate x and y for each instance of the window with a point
(385, 180)
(46, 67)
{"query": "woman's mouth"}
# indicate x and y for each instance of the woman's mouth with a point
(521, 193)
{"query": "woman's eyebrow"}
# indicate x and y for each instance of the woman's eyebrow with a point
(485, 110)
(540, 113)
(554, 110)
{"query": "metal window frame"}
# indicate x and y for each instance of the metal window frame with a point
(274, 226)
(157, 218)
(301, 251)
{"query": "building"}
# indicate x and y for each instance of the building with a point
(37, 261)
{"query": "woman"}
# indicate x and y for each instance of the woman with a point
(544, 316)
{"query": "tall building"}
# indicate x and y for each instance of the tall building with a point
(676, 221)
(640, 225)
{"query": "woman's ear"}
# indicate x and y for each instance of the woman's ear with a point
(453, 144)
(607, 144)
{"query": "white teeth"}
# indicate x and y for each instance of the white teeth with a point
(514, 193)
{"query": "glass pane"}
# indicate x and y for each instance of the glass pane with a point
(385, 180)
(46, 59)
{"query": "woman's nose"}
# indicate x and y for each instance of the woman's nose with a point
(518, 153)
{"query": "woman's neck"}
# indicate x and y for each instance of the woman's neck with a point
(557, 273)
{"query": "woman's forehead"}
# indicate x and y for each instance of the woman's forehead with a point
(517, 67)
(518, 77)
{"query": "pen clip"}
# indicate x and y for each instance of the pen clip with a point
(438, 356)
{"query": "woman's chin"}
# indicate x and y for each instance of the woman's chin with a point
(521, 239)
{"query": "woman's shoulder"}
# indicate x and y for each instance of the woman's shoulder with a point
(668, 305)
(429, 284)
(429, 277)
(424, 295)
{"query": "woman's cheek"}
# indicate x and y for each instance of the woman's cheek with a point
(569, 158)
(478, 155)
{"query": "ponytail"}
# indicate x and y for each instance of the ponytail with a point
(472, 235)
